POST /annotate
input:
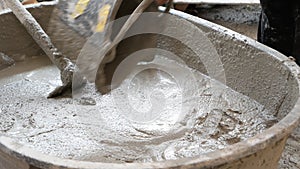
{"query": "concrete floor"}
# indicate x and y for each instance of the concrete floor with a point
(240, 18)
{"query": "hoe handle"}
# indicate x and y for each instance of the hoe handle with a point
(37, 33)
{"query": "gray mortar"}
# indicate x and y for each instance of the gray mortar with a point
(259, 72)
(248, 25)
(212, 119)
(5, 61)
(2, 6)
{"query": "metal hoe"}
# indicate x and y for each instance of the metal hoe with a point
(65, 65)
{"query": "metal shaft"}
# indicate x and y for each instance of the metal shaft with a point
(37, 32)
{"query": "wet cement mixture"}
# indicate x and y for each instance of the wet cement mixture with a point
(291, 155)
(244, 20)
(152, 116)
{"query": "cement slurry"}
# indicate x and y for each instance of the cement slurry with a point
(93, 127)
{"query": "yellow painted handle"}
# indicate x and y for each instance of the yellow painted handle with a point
(80, 8)
(102, 18)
